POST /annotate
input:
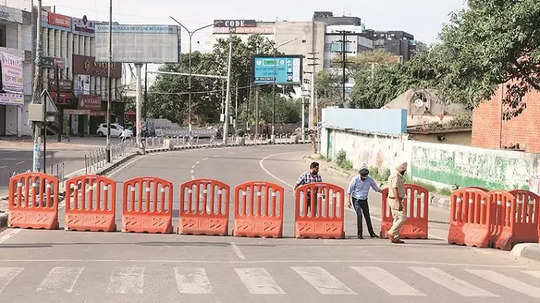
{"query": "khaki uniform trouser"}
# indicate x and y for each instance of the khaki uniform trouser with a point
(399, 219)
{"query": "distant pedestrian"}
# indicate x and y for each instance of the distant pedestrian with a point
(311, 176)
(396, 195)
(358, 191)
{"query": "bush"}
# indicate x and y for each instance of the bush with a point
(341, 160)
(374, 172)
(385, 175)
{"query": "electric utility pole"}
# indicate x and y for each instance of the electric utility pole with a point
(109, 93)
(36, 92)
(344, 50)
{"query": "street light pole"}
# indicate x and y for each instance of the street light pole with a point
(109, 95)
(190, 33)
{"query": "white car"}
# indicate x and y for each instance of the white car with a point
(116, 130)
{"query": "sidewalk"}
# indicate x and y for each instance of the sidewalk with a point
(74, 143)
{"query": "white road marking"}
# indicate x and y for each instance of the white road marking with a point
(60, 279)
(534, 273)
(205, 158)
(269, 173)
(119, 169)
(237, 251)
(127, 280)
(369, 261)
(19, 163)
(323, 281)
(508, 282)
(258, 281)
(197, 163)
(192, 171)
(454, 284)
(482, 250)
(192, 280)
(8, 234)
(387, 281)
(7, 274)
(1, 167)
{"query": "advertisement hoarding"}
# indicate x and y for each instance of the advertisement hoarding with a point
(59, 20)
(235, 23)
(90, 102)
(83, 26)
(86, 65)
(134, 43)
(81, 85)
(284, 69)
(12, 73)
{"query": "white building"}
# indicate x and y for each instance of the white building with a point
(16, 40)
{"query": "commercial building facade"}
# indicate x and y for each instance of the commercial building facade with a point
(17, 67)
(71, 39)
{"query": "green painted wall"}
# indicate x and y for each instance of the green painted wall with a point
(471, 167)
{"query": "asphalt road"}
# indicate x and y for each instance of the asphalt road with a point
(62, 266)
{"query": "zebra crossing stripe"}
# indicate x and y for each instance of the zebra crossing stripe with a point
(454, 284)
(534, 273)
(258, 281)
(126, 280)
(508, 282)
(323, 281)
(60, 279)
(192, 280)
(385, 280)
(7, 274)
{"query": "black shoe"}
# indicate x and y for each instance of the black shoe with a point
(374, 236)
(360, 237)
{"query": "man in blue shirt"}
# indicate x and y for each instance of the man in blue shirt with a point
(359, 190)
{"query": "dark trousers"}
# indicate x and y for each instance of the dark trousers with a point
(311, 203)
(362, 206)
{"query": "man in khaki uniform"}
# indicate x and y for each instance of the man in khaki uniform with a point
(396, 194)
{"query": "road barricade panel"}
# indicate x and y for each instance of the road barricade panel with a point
(90, 203)
(527, 216)
(204, 207)
(258, 210)
(503, 227)
(416, 206)
(33, 201)
(147, 205)
(319, 211)
(470, 219)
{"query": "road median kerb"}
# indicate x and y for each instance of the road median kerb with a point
(529, 251)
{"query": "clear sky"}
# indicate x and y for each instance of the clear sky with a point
(422, 18)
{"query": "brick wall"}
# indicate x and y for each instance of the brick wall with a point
(523, 129)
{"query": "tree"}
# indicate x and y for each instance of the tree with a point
(490, 43)
(374, 88)
(168, 94)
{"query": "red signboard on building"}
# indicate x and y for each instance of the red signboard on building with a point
(59, 20)
(90, 102)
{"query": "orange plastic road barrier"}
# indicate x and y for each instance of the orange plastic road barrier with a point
(324, 219)
(470, 219)
(147, 205)
(416, 206)
(516, 218)
(33, 201)
(204, 208)
(258, 210)
(90, 203)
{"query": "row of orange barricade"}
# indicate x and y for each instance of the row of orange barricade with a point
(498, 218)
(147, 206)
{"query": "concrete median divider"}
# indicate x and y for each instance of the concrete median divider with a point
(147, 205)
(33, 201)
(416, 204)
(90, 203)
(319, 211)
(258, 210)
(204, 208)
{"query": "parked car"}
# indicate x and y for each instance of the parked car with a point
(116, 130)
